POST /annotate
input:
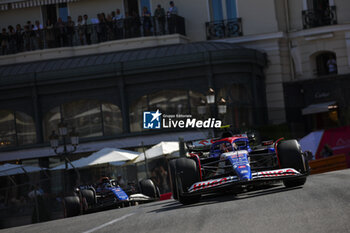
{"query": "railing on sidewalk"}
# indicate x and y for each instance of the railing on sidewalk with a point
(224, 28)
(66, 36)
(316, 18)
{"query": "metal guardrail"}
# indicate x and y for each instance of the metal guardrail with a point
(65, 36)
(317, 18)
(224, 28)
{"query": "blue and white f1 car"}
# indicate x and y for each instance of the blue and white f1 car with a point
(229, 163)
(107, 194)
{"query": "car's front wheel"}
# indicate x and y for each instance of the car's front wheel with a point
(186, 175)
(291, 156)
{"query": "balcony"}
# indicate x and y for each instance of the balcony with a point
(224, 28)
(64, 36)
(318, 18)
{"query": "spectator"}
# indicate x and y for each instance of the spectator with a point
(26, 37)
(49, 34)
(118, 15)
(60, 33)
(109, 27)
(88, 29)
(4, 41)
(31, 35)
(172, 13)
(159, 14)
(121, 181)
(81, 30)
(172, 9)
(70, 30)
(146, 15)
(332, 65)
(19, 38)
(12, 39)
(38, 32)
(119, 24)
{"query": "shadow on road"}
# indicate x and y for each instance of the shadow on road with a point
(225, 197)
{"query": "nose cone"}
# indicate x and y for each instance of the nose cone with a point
(243, 171)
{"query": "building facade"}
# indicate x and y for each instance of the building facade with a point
(287, 44)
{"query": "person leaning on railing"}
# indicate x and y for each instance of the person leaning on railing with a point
(172, 14)
(81, 30)
(70, 31)
(88, 29)
(49, 34)
(159, 14)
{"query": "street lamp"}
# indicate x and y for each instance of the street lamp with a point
(210, 96)
(222, 107)
(54, 142)
(202, 108)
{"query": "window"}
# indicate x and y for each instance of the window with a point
(16, 128)
(326, 63)
(239, 105)
(318, 13)
(168, 102)
(231, 9)
(216, 10)
(90, 118)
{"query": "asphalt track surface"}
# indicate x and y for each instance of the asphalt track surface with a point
(322, 205)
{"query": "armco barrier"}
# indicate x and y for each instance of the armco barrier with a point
(333, 163)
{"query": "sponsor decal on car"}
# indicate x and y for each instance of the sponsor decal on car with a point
(276, 173)
(230, 179)
(212, 183)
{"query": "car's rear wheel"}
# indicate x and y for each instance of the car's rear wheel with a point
(71, 206)
(291, 156)
(172, 169)
(186, 175)
(89, 195)
(148, 188)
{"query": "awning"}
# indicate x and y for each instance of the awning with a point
(104, 156)
(8, 169)
(31, 3)
(318, 108)
(161, 149)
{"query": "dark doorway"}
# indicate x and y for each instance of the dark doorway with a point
(49, 13)
(131, 7)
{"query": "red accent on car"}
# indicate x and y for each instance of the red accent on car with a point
(199, 163)
(267, 143)
(276, 143)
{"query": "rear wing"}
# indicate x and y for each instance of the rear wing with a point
(205, 144)
(200, 145)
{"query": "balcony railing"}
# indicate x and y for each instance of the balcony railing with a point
(318, 18)
(65, 36)
(224, 29)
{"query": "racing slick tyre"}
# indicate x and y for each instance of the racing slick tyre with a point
(186, 175)
(291, 156)
(172, 169)
(71, 206)
(89, 195)
(148, 188)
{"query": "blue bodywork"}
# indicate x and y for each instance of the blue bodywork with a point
(119, 193)
(116, 190)
(235, 151)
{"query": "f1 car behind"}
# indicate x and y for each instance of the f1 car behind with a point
(230, 163)
(107, 193)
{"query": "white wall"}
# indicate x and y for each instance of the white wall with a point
(258, 17)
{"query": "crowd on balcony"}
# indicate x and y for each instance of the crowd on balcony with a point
(85, 31)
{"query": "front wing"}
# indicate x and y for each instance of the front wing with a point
(210, 185)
